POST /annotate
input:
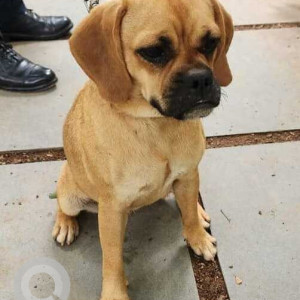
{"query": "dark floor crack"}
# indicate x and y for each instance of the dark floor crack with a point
(267, 26)
(57, 154)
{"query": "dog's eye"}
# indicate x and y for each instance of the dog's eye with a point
(209, 45)
(154, 54)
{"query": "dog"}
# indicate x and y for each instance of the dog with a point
(134, 132)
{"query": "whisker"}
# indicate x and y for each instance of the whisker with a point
(224, 94)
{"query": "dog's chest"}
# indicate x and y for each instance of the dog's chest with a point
(155, 167)
(149, 182)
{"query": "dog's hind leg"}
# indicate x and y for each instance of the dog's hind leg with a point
(70, 202)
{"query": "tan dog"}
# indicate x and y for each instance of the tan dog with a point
(134, 132)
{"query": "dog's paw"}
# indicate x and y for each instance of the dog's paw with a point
(66, 229)
(203, 216)
(203, 244)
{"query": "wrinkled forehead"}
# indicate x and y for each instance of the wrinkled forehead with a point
(148, 20)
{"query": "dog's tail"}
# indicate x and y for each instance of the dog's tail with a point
(53, 195)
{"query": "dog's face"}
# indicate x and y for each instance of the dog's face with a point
(172, 52)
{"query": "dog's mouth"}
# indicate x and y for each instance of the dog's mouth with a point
(200, 110)
(190, 97)
(184, 108)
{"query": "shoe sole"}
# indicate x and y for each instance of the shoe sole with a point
(38, 88)
(25, 37)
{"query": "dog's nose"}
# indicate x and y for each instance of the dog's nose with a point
(198, 84)
(193, 89)
(198, 80)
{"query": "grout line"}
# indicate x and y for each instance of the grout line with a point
(206, 271)
(57, 154)
(253, 139)
(267, 26)
(31, 156)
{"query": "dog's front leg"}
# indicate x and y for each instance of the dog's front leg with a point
(112, 224)
(186, 190)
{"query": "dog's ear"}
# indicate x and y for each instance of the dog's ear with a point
(97, 47)
(221, 68)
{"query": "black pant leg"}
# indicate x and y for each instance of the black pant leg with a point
(9, 9)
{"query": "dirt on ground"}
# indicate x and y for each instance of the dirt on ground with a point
(208, 275)
(252, 139)
(267, 26)
(20, 157)
(209, 279)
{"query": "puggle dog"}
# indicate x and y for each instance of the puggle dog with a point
(134, 132)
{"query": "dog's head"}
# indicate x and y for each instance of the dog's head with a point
(170, 52)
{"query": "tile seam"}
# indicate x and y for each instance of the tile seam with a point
(246, 139)
(280, 25)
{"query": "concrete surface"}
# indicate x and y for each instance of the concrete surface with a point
(257, 188)
(262, 12)
(35, 120)
(264, 94)
(243, 11)
(156, 258)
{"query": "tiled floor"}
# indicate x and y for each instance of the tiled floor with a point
(35, 120)
(264, 94)
(246, 12)
(156, 258)
(257, 188)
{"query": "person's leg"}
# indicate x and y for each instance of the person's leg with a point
(19, 23)
(19, 74)
(9, 8)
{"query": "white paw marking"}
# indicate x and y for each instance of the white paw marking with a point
(66, 229)
(203, 216)
(205, 246)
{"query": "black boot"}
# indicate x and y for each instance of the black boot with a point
(19, 74)
(28, 25)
